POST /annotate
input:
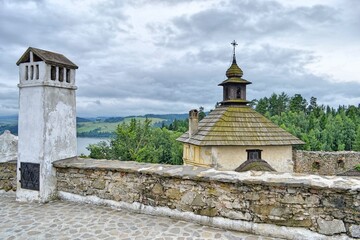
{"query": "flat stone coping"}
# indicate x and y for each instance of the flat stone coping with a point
(208, 174)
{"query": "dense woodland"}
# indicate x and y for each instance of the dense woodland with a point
(320, 127)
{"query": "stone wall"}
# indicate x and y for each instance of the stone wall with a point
(325, 163)
(302, 203)
(8, 146)
(8, 176)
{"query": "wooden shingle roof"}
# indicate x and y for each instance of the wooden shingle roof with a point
(238, 125)
(50, 58)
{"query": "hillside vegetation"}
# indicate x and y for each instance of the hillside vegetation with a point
(106, 127)
(320, 127)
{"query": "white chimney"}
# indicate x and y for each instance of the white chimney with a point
(193, 122)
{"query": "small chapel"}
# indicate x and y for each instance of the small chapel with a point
(234, 136)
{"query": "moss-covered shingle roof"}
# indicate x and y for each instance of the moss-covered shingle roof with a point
(238, 125)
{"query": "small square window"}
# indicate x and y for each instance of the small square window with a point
(253, 154)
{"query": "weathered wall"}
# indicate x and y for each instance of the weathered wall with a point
(324, 163)
(8, 146)
(328, 205)
(230, 157)
(47, 127)
(8, 176)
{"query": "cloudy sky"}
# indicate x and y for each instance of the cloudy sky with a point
(165, 56)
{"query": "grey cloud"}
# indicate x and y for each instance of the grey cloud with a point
(250, 20)
(183, 60)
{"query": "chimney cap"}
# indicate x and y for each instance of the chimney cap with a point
(193, 113)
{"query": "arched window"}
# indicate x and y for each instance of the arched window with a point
(238, 92)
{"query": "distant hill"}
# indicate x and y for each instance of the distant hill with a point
(8, 120)
(99, 126)
(79, 119)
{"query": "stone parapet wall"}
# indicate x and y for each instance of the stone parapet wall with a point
(321, 205)
(8, 146)
(325, 163)
(8, 176)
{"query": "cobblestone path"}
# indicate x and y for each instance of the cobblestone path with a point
(68, 220)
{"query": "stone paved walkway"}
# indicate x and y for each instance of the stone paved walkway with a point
(68, 220)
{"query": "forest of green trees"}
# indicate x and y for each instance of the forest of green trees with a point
(320, 127)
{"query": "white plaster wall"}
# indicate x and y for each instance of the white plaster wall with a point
(8, 147)
(60, 118)
(43, 73)
(60, 133)
(31, 135)
(47, 128)
(31, 125)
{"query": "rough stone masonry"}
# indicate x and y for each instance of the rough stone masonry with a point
(319, 205)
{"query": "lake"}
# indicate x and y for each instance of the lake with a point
(82, 143)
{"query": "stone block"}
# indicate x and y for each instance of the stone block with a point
(99, 183)
(237, 215)
(354, 231)
(173, 193)
(210, 212)
(198, 200)
(330, 227)
(158, 189)
(280, 211)
(297, 199)
(335, 202)
(188, 198)
(313, 200)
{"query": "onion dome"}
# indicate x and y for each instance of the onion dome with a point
(234, 70)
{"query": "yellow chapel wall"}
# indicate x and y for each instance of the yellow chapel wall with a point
(197, 155)
(231, 157)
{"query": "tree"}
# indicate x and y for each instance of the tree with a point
(201, 113)
(330, 130)
(138, 141)
(356, 145)
(262, 106)
(297, 103)
(278, 103)
(100, 150)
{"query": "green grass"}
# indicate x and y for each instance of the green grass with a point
(109, 127)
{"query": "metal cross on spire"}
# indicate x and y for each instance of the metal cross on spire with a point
(234, 43)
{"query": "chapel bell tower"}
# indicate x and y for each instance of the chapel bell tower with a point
(234, 87)
(47, 121)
